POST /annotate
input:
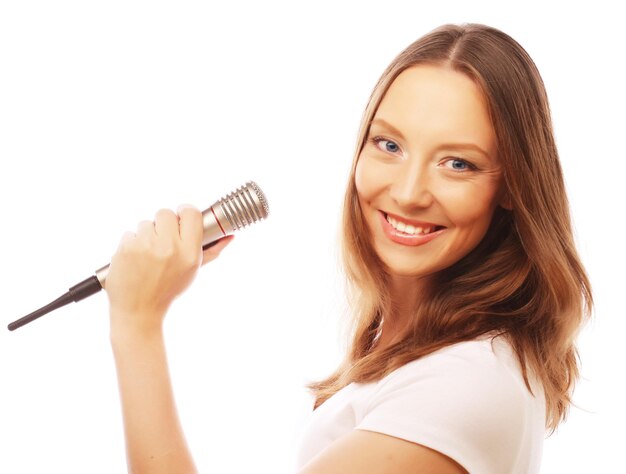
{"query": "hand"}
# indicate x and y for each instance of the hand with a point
(153, 266)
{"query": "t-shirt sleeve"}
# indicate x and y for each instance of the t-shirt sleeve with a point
(463, 403)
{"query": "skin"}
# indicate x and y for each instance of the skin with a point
(148, 271)
(429, 106)
(416, 172)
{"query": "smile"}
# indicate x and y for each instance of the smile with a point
(408, 228)
(411, 235)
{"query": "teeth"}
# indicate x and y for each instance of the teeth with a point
(408, 229)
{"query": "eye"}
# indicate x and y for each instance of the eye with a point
(389, 146)
(459, 165)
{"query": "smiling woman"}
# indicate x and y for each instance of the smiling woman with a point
(467, 289)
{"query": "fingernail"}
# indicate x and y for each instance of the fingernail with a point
(227, 240)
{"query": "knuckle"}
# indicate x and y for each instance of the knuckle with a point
(167, 213)
(189, 214)
(127, 237)
(144, 226)
(188, 208)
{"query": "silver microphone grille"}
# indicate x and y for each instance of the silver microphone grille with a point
(244, 206)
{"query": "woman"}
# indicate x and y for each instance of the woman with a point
(468, 292)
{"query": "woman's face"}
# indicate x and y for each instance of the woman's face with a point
(430, 163)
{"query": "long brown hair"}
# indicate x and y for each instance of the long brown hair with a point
(524, 281)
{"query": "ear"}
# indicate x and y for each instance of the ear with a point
(504, 199)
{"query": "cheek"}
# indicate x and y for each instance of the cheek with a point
(363, 179)
(370, 177)
(471, 209)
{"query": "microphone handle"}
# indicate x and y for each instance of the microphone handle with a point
(78, 292)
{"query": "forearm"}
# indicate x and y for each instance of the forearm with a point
(155, 442)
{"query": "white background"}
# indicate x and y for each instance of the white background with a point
(112, 110)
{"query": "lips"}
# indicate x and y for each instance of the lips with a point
(408, 239)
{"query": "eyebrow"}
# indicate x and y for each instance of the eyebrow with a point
(451, 146)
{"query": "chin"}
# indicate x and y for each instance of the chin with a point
(403, 267)
(408, 271)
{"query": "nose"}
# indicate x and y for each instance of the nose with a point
(411, 186)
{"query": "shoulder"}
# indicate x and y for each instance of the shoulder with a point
(468, 401)
(484, 366)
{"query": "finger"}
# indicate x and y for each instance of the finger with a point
(213, 252)
(126, 238)
(190, 225)
(166, 224)
(145, 229)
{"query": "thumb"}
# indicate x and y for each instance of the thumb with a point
(214, 251)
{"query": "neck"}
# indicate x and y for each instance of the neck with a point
(406, 294)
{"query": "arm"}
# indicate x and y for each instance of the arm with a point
(368, 452)
(155, 441)
(148, 271)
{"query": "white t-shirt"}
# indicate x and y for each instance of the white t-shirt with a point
(467, 401)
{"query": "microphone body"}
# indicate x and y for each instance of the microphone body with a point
(233, 212)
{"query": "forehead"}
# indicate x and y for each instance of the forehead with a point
(434, 103)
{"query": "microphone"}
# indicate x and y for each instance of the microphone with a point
(233, 212)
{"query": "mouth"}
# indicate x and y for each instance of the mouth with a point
(411, 235)
(404, 226)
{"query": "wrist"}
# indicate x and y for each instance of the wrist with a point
(130, 328)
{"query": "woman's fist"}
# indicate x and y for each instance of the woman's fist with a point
(154, 265)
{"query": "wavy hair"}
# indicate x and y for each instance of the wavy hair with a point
(524, 280)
